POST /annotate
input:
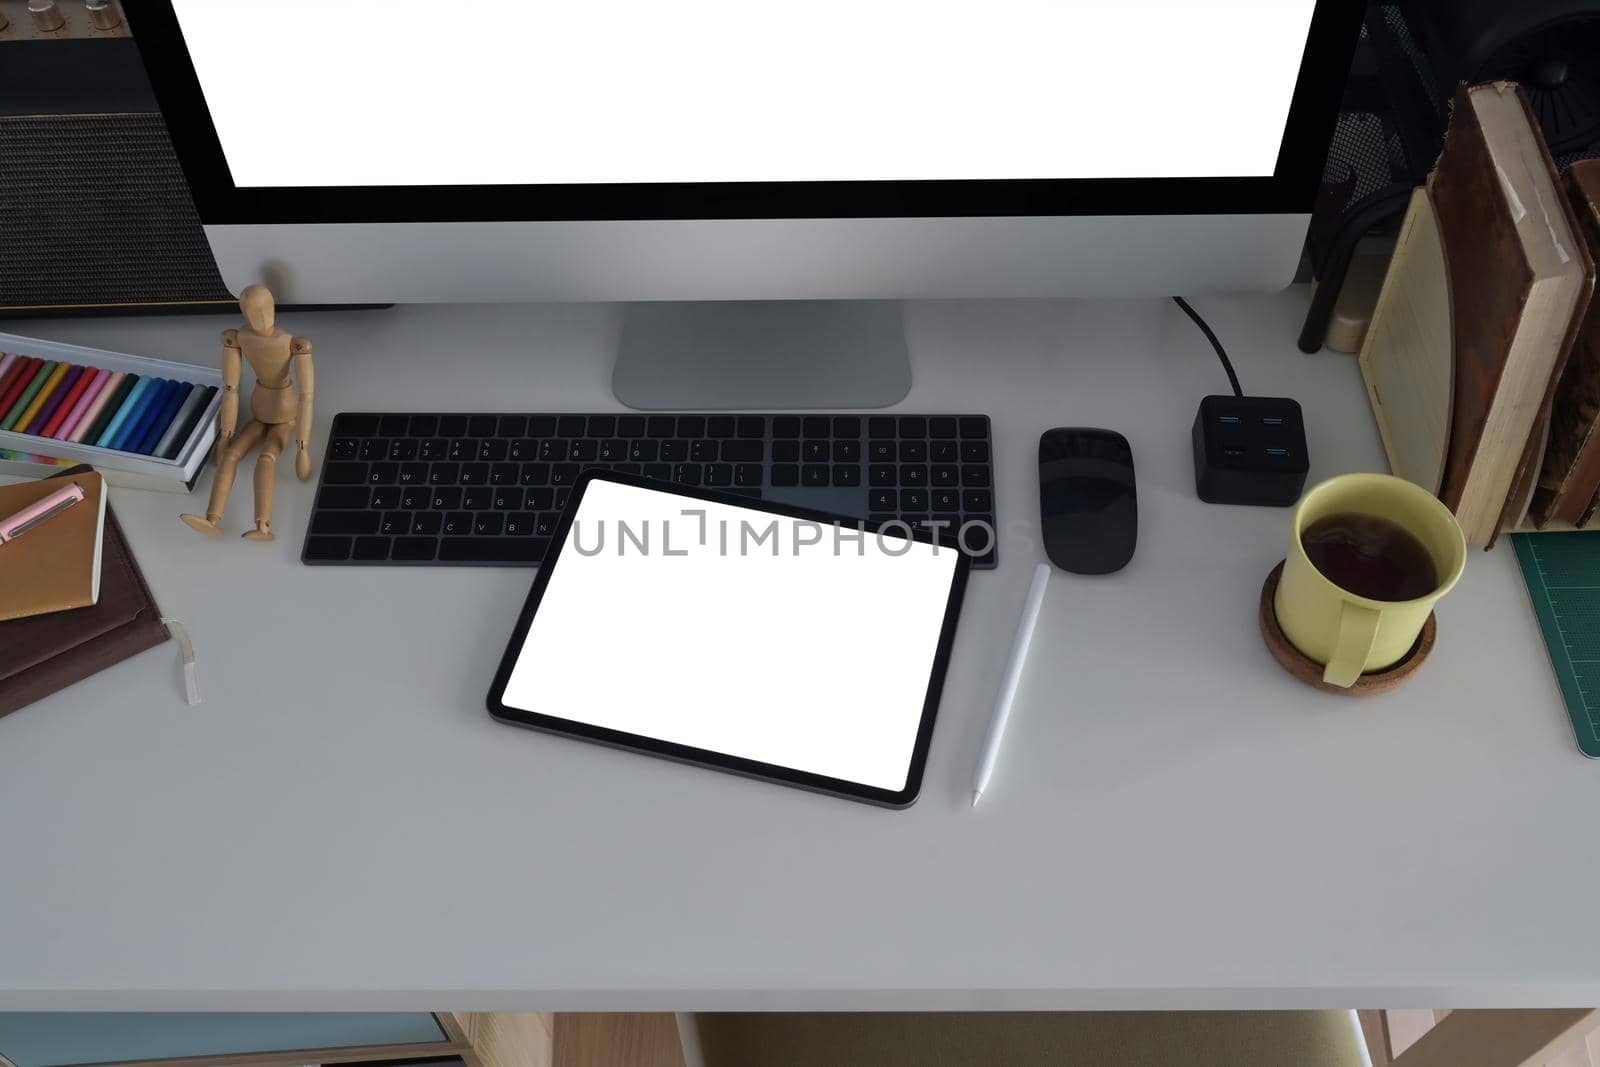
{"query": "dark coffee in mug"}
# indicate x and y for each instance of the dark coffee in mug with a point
(1370, 556)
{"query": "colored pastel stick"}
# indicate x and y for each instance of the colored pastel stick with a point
(113, 405)
(129, 403)
(15, 365)
(8, 360)
(117, 433)
(93, 382)
(57, 397)
(24, 409)
(91, 415)
(69, 398)
(183, 426)
(42, 397)
(158, 425)
(25, 373)
(154, 402)
(123, 442)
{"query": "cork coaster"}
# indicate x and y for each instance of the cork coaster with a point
(1309, 671)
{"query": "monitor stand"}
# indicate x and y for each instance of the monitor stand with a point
(762, 356)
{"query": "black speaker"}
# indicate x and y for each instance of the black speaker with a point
(95, 216)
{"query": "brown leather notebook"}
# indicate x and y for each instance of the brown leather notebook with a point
(46, 653)
(1570, 476)
(56, 566)
(1518, 279)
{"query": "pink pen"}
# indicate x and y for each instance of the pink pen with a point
(86, 398)
(40, 512)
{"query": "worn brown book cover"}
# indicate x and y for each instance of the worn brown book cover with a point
(46, 653)
(1570, 475)
(1517, 278)
(55, 567)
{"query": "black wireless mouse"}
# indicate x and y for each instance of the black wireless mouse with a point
(1087, 507)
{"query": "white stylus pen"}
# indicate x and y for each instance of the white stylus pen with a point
(1008, 688)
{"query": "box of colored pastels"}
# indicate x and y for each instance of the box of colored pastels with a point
(142, 423)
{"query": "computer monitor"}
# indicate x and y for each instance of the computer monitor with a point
(776, 171)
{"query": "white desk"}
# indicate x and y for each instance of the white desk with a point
(1175, 823)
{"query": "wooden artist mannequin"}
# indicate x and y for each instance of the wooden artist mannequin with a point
(279, 412)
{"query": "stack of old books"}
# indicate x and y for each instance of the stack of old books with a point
(1483, 359)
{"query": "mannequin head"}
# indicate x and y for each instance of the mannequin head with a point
(257, 305)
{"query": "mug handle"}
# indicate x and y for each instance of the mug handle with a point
(1358, 632)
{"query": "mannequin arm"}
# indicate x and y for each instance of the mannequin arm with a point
(232, 363)
(305, 377)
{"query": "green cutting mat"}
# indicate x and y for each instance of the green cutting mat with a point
(1563, 575)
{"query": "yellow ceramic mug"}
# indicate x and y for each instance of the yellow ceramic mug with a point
(1349, 634)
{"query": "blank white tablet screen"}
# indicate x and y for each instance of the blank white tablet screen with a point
(738, 631)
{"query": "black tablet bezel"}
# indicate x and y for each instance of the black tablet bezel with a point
(1290, 189)
(705, 757)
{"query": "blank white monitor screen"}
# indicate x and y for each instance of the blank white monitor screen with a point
(530, 92)
(767, 648)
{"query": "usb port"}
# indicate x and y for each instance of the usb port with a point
(1233, 453)
(1280, 453)
(1228, 420)
(1271, 420)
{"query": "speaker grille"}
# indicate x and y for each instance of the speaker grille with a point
(95, 213)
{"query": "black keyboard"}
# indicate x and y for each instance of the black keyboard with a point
(488, 489)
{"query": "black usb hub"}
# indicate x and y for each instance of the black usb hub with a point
(1250, 450)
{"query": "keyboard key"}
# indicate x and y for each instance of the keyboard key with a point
(881, 474)
(343, 448)
(584, 451)
(944, 452)
(630, 426)
(913, 500)
(540, 499)
(563, 473)
(413, 474)
(943, 475)
(477, 498)
(972, 474)
(413, 497)
(644, 451)
(974, 451)
(751, 426)
(413, 549)
(786, 426)
(571, 425)
(505, 474)
(785, 474)
(445, 498)
(493, 449)
(508, 500)
(395, 522)
(427, 523)
(674, 451)
(691, 425)
(848, 474)
(452, 426)
(492, 550)
(553, 449)
(814, 452)
(747, 475)
(383, 473)
(489, 524)
(977, 500)
(814, 474)
(474, 474)
(974, 426)
(614, 450)
(880, 426)
(602, 426)
(344, 474)
(786, 451)
(393, 425)
(512, 426)
(344, 522)
(815, 426)
(540, 426)
(545, 523)
(943, 426)
(385, 498)
(741, 451)
(946, 500)
(913, 451)
(371, 549)
(882, 452)
(703, 451)
(913, 475)
(433, 448)
(403, 449)
(343, 498)
(482, 425)
(847, 426)
(519, 524)
(720, 426)
(373, 448)
(847, 451)
(328, 549)
(629, 468)
(355, 425)
(662, 472)
(457, 522)
(883, 500)
(462, 448)
(719, 474)
(687, 473)
(535, 474)
(913, 426)
(561, 498)
(659, 426)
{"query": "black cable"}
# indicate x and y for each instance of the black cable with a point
(1212, 337)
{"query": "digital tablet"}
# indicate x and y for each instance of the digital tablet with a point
(751, 637)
